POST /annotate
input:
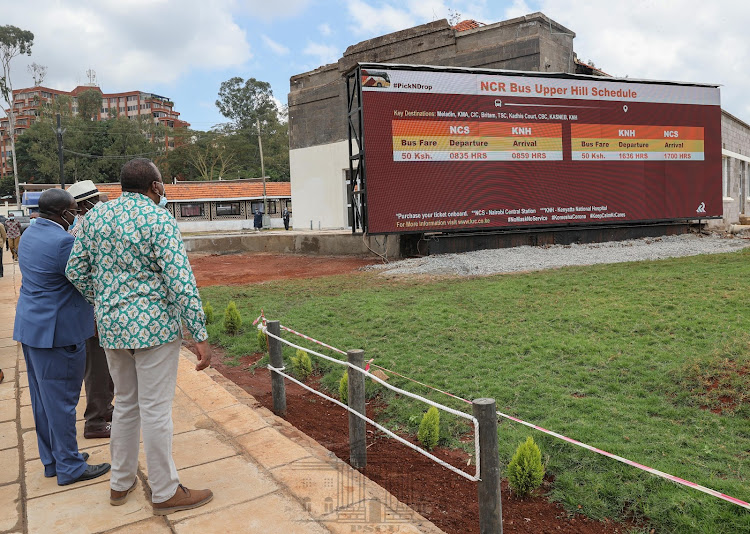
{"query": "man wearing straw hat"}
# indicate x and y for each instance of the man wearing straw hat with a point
(99, 387)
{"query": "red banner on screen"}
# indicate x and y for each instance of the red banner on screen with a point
(451, 151)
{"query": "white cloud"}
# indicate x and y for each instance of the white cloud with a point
(273, 10)
(324, 53)
(324, 29)
(686, 40)
(277, 48)
(371, 20)
(128, 44)
(517, 9)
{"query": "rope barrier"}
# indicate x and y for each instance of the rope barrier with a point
(381, 428)
(392, 388)
(642, 467)
(631, 463)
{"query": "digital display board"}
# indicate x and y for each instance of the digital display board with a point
(457, 150)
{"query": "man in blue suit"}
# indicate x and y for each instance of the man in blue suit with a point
(53, 322)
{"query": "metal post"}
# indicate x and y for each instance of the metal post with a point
(262, 167)
(278, 389)
(488, 488)
(59, 133)
(356, 397)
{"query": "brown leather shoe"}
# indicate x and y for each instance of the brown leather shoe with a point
(102, 432)
(118, 498)
(183, 499)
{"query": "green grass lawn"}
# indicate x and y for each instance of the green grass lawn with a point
(617, 356)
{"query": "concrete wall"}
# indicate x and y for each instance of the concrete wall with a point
(319, 192)
(324, 244)
(735, 144)
(317, 99)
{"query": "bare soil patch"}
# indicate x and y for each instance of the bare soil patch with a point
(236, 269)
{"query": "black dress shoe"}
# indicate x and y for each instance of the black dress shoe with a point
(54, 473)
(92, 471)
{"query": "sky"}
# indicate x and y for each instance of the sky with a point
(184, 49)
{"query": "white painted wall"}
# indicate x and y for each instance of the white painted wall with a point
(318, 187)
(231, 225)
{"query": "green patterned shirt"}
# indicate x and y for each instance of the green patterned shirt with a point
(129, 261)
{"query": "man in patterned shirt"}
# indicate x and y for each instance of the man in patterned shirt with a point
(129, 261)
(13, 231)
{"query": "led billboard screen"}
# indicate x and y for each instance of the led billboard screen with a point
(461, 150)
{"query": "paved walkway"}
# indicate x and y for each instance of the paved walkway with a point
(267, 477)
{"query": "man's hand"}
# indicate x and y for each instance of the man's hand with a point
(204, 355)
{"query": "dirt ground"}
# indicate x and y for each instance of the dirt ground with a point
(235, 269)
(446, 499)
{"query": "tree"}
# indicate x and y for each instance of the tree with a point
(212, 157)
(61, 104)
(246, 102)
(89, 104)
(13, 42)
(253, 111)
(94, 150)
(38, 73)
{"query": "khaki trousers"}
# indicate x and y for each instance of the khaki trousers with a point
(145, 381)
(13, 244)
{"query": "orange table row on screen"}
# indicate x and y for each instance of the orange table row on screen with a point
(472, 143)
(622, 144)
(415, 128)
(629, 131)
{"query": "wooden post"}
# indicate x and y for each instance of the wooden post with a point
(488, 488)
(356, 398)
(278, 389)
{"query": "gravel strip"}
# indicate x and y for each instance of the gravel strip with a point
(506, 260)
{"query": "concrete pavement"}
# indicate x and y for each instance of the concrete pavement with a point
(267, 477)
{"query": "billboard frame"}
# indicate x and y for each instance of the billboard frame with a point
(357, 182)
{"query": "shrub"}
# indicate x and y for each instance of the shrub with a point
(344, 388)
(232, 319)
(208, 311)
(301, 365)
(262, 341)
(525, 471)
(429, 429)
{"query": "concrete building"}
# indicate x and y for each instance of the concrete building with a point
(318, 135)
(735, 183)
(220, 205)
(29, 103)
(215, 206)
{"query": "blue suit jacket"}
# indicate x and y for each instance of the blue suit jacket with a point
(50, 310)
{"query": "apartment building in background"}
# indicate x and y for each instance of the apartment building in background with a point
(29, 102)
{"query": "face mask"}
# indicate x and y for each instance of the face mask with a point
(75, 219)
(163, 197)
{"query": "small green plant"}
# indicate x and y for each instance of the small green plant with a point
(232, 319)
(208, 311)
(262, 341)
(344, 388)
(429, 429)
(525, 471)
(301, 365)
